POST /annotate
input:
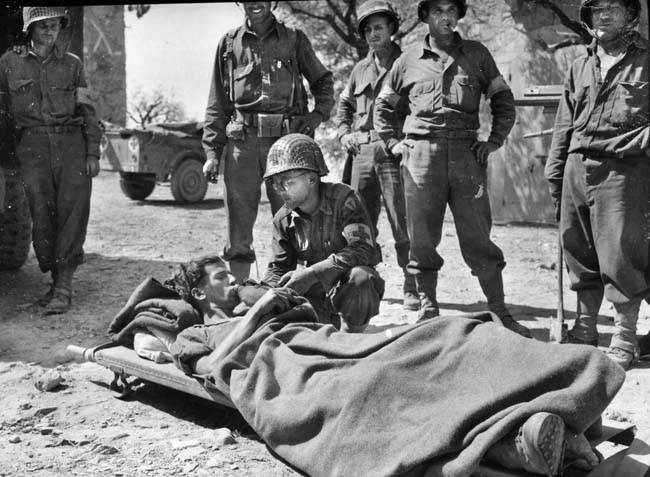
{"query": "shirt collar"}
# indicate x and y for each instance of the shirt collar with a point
(457, 44)
(635, 40)
(247, 28)
(56, 51)
(395, 51)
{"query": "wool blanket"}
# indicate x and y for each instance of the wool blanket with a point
(421, 399)
(155, 306)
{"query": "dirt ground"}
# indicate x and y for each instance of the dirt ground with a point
(79, 428)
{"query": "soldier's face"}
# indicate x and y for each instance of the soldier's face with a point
(257, 12)
(442, 17)
(216, 285)
(377, 31)
(294, 187)
(608, 19)
(45, 32)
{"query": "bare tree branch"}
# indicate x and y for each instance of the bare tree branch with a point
(574, 25)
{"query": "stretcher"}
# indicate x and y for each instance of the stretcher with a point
(631, 460)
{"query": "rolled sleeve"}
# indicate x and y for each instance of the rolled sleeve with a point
(320, 79)
(218, 110)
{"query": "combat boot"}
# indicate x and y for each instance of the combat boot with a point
(426, 286)
(411, 300)
(584, 329)
(45, 299)
(62, 293)
(240, 270)
(537, 447)
(624, 348)
(492, 286)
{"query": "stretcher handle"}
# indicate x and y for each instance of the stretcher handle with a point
(81, 353)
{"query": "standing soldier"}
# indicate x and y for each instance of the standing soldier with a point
(44, 93)
(375, 172)
(443, 162)
(599, 173)
(257, 96)
(325, 228)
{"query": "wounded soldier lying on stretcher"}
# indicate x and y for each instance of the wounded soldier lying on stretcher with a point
(432, 398)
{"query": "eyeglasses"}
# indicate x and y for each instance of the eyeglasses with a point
(609, 10)
(284, 184)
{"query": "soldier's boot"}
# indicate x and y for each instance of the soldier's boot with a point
(644, 346)
(537, 446)
(240, 270)
(411, 299)
(62, 294)
(624, 347)
(43, 300)
(426, 284)
(492, 286)
(584, 329)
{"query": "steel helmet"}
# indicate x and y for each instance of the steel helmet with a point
(295, 151)
(36, 14)
(423, 7)
(585, 17)
(371, 7)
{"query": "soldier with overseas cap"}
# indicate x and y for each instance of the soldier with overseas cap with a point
(599, 172)
(257, 96)
(443, 162)
(375, 172)
(47, 106)
(323, 242)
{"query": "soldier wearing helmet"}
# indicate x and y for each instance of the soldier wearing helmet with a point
(256, 96)
(374, 172)
(442, 160)
(44, 94)
(325, 227)
(598, 168)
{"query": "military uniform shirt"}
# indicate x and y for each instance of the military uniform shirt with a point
(607, 117)
(48, 92)
(333, 240)
(263, 80)
(444, 95)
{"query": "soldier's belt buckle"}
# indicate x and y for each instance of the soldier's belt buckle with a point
(269, 125)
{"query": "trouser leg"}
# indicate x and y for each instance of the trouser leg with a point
(363, 180)
(424, 172)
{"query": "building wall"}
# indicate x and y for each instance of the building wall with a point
(105, 60)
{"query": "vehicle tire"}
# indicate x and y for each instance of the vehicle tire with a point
(189, 184)
(137, 185)
(15, 223)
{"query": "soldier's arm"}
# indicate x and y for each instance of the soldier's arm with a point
(502, 101)
(562, 131)
(361, 248)
(219, 108)
(283, 259)
(345, 110)
(320, 79)
(6, 120)
(86, 101)
(387, 118)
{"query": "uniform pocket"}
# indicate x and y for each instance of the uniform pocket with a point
(23, 96)
(630, 105)
(63, 99)
(362, 98)
(466, 93)
(421, 96)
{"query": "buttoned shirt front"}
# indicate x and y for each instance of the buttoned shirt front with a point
(334, 239)
(356, 101)
(262, 80)
(46, 92)
(443, 95)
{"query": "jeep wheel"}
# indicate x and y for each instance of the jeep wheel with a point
(15, 223)
(137, 186)
(189, 185)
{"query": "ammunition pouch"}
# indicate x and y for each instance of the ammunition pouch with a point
(367, 137)
(269, 125)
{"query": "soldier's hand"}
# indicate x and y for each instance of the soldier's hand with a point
(211, 170)
(20, 49)
(482, 150)
(302, 280)
(398, 149)
(92, 166)
(350, 143)
(310, 122)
